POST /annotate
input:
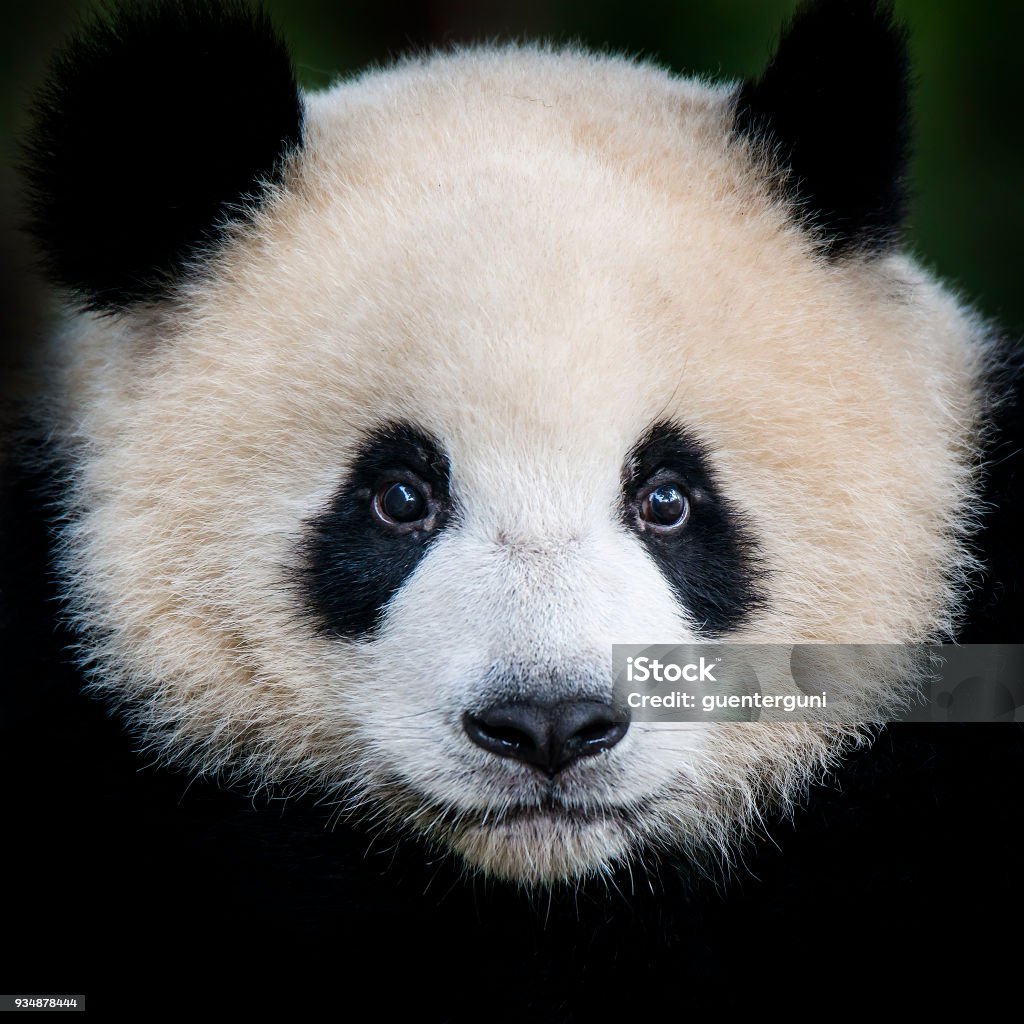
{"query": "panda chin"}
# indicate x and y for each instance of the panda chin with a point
(539, 847)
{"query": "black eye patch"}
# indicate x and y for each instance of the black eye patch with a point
(712, 563)
(353, 561)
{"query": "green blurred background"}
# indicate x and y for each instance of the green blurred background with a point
(968, 211)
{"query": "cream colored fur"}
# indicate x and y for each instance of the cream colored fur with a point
(533, 255)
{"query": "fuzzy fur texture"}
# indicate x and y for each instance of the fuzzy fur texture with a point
(534, 256)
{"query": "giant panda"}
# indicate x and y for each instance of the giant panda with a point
(373, 417)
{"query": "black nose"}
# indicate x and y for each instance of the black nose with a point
(549, 736)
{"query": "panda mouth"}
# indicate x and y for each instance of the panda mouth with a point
(554, 811)
(539, 840)
(546, 810)
(540, 843)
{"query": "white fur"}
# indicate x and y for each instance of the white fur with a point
(533, 255)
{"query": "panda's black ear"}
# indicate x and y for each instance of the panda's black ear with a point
(833, 106)
(160, 122)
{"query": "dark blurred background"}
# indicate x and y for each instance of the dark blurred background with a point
(968, 211)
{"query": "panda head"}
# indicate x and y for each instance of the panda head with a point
(388, 409)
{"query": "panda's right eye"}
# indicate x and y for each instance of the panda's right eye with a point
(403, 503)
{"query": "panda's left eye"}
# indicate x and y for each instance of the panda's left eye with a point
(402, 503)
(664, 506)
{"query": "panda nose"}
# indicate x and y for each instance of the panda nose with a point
(548, 736)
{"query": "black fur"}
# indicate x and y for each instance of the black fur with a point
(713, 563)
(159, 123)
(352, 563)
(833, 107)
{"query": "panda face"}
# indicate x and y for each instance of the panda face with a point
(519, 354)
